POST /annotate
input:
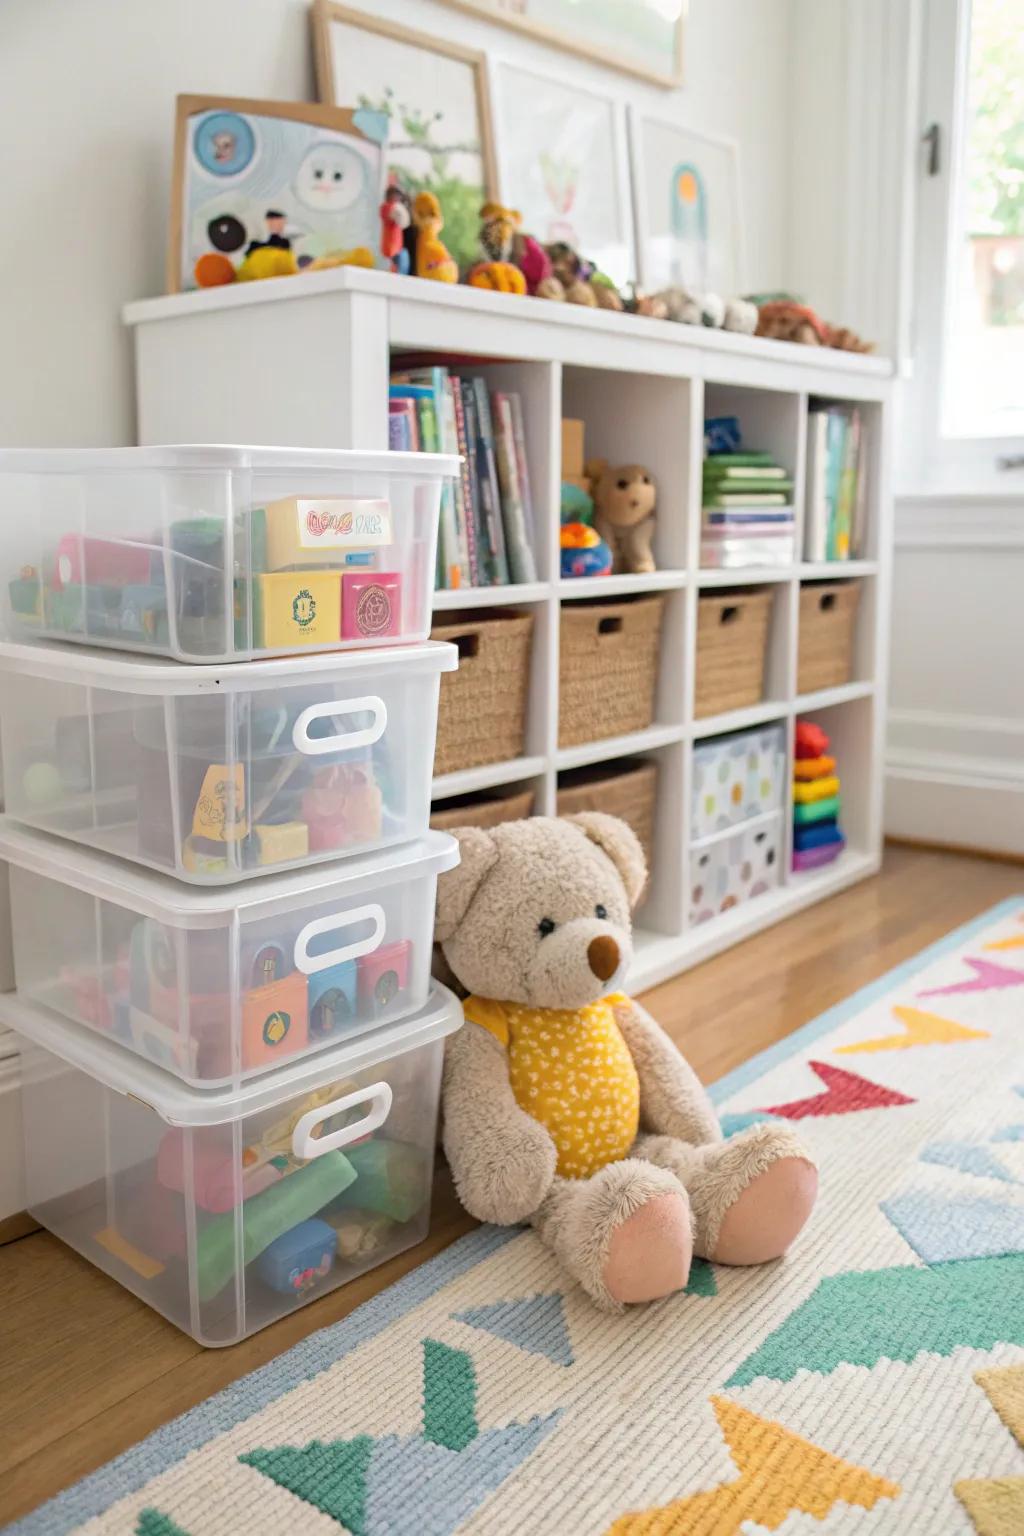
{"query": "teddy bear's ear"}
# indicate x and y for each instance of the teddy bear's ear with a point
(620, 843)
(457, 887)
(594, 469)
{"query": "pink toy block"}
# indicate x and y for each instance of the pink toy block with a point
(371, 605)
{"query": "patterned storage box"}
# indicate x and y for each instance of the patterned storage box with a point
(730, 868)
(736, 777)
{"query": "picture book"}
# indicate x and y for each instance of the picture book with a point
(514, 507)
(492, 534)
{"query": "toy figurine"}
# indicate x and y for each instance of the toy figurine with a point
(432, 258)
(272, 257)
(584, 552)
(397, 236)
(534, 263)
(497, 231)
(624, 499)
(573, 273)
(784, 319)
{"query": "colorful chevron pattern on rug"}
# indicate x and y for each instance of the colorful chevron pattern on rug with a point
(872, 1382)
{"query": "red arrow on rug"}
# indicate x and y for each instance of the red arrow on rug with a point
(987, 976)
(845, 1092)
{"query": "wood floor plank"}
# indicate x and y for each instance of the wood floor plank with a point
(105, 1371)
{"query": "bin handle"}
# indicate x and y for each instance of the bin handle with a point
(611, 624)
(309, 964)
(826, 602)
(346, 741)
(307, 1146)
(729, 614)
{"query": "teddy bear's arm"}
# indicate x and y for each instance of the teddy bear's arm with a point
(673, 1100)
(503, 1161)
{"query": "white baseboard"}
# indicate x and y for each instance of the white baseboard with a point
(12, 1171)
(970, 802)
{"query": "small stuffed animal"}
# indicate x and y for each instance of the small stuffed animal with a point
(741, 316)
(432, 258)
(534, 263)
(573, 273)
(624, 498)
(565, 1105)
(497, 231)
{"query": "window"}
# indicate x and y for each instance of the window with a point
(964, 426)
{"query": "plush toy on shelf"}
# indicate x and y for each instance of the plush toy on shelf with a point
(432, 258)
(627, 1177)
(497, 271)
(624, 501)
(397, 235)
(785, 319)
(584, 552)
(534, 263)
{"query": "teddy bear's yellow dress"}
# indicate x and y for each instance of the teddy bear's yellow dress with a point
(571, 1070)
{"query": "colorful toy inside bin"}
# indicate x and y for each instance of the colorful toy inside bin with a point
(817, 838)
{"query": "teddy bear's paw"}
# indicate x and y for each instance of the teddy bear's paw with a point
(769, 1214)
(649, 1253)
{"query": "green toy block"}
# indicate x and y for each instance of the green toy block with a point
(391, 1177)
(816, 810)
(277, 1209)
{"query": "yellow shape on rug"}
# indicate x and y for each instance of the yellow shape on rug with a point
(920, 1028)
(1004, 1388)
(995, 1504)
(779, 1473)
(1017, 942)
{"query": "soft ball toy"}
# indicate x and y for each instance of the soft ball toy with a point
(624, 498)
(565, 1105)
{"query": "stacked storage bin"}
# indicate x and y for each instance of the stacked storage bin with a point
(222, 876)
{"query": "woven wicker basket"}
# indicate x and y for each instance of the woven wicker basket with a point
(732, 643)
(608, 667)
(828, 622)
(483, 810)
(482, 711)
(626, 789)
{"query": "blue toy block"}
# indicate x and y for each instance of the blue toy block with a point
(332, 999)
(299, 1258)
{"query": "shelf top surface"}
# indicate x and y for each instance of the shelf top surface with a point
(461, 296)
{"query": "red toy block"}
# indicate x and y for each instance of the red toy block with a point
(384, 974)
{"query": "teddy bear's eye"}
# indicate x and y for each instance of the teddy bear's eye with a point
(545, 926)
(647, 479)
(601, 911)
(622, 484)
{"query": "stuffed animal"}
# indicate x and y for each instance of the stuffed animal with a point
(432, 258)
(534, 263)
(565, 1105)
(573, 273)
(498, 226)
(741, 316)
(786, 320)
(690, 308)
(624, 498)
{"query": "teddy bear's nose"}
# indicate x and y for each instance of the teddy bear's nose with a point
(603, 956)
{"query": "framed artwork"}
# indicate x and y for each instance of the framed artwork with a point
(298, 182)
(563, 165)
(435, 96)
(642, 37)
(687, 203)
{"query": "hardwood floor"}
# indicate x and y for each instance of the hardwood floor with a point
(86, 1369)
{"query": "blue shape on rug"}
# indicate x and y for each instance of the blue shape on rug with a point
(734, 1121)
(967, 1158)
(944, 1227)
(1009, 1133)
(534, 1323)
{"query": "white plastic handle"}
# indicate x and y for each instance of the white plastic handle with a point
(306, 1145)
(309, 964)
(342, 740)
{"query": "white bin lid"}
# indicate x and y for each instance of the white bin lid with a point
(226, 456)
(179, 905)
(178, 1104)
(124, 672)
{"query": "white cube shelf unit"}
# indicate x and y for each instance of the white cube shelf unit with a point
(306, 362)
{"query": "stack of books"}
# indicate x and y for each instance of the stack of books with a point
(836, 483)
(748, 513)
(486, 536)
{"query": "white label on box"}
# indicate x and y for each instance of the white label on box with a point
(357, 521)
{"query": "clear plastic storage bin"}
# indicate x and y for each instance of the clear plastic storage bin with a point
(218, 986)
(216, 773)
(227, 1210)
(218, 554)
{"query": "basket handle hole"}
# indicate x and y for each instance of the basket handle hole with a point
(729, 615)
(611, 625)
(467, 646)
(827, 601)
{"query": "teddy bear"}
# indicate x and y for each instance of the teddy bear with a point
(565, 1106)
(624, 498)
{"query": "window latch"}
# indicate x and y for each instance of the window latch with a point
(932, 137)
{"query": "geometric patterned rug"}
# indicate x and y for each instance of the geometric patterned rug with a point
(872, 1382)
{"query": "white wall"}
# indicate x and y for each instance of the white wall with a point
(87, 92)
(955, 750)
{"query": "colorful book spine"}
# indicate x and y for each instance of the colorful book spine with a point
(520, 553)
(847, 498)
(468, 519)
(816, 500)
(488, 491)
(458, 554)
(836, 452)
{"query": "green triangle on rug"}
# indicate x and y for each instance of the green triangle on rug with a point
(153, 1522)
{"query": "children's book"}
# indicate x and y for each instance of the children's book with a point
(847, 497)
(514, 506)
(816, 500)
(740, 516)
(836, 441)
(437, 435)
(714, 498)
(492, 541)
(403, 425)
(467, 516)
(740, 460)
(714, 469)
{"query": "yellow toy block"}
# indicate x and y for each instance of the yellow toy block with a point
(817, 789)
(295, 608)
(302, 531)
(288, 840)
